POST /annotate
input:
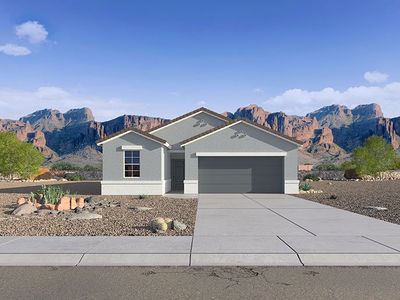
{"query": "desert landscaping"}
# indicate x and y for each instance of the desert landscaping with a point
(377, 199)
(91, 215)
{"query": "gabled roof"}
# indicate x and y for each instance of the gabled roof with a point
(237, 121)
(135, 130)
(189, 114)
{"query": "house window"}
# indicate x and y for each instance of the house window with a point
(132, 163)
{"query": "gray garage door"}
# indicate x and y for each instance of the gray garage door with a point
(241, 175)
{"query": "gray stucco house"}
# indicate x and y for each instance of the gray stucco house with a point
(199, 152)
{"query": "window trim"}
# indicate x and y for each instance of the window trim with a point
(124, 164)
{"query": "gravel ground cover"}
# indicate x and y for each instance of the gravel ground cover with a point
(116, 221)
(355, 196)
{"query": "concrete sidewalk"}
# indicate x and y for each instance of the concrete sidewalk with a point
(230, 230)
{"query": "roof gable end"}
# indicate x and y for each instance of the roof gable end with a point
(134, 130)
(188, 115)
(238, 121)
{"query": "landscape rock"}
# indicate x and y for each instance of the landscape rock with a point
(176, 225)
(380, 208)
(158, 224)
(142, 208)
(85, 215)
(43, 212)
(169, 222)
(49, 206)
(21, 201)
(73, 203)
(80, 202)
(24, 209)
(63, 204)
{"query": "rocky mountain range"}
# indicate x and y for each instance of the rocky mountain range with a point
(329, 133)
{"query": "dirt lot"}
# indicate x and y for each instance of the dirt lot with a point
(120, 220)
(356, 195)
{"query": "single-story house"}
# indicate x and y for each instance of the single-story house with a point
(199, 152)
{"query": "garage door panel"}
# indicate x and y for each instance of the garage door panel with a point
(241, 175)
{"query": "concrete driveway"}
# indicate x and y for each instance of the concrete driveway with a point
(268, 229)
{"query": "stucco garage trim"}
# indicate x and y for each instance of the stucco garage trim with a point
(201, 154)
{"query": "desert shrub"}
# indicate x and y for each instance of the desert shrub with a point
(65, 166)
(142, 196)
(18, 158)
(347, 165)
(333, 197)
(51, 194)
(91, 168)
(304, 186)
(75, 177)
(375, 156)
(327, 166)
(311, 176)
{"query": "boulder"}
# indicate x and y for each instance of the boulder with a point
(158, 224)
(73, 203)
(85, 215)
(24, 209)
(49, 206)
(80, 202)
(141, 208)
(176, 225)
(169, 222)
(21, 201)
(63, 204)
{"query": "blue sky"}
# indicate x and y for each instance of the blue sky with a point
(164, 58)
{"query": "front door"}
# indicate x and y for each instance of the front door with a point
(178, 174)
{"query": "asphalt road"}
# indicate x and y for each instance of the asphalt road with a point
(199, 283)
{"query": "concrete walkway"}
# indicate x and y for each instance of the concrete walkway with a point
(248, 229)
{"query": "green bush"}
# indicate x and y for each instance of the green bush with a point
(51, 194)
(18, 158)
(327, 166)
(375, 156)
(64, 166)
(304, 186)
(75, 177)
(311, 176)
(91, 168)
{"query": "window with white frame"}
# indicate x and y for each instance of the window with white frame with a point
(132, 163)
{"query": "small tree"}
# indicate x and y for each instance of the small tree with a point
(18, 158)
(375, 156)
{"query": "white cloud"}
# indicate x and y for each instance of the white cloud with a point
(258, 91)
(375, 76)
(33, 31)
(300, 102)
(14, 50)
(17, 103)
(202, 102)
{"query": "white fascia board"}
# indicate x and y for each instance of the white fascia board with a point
(185, 118)
(131, 147)
(237, 122)
(129, 131)
(241, 154)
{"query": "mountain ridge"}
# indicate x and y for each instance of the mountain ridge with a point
(328, 133)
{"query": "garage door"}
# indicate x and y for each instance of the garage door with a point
(241, 175)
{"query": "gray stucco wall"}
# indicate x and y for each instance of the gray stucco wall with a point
(150, 158)
(255, 140)
(187, 128)
(167, 164)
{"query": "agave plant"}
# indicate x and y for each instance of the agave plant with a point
(51, 194)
